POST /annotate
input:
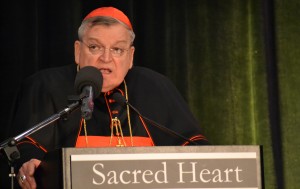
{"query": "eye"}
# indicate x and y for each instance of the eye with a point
(117, 50)
(94, 48)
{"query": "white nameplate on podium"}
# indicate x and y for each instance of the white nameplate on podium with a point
(190, 167)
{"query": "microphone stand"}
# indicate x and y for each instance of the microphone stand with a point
(9, 147)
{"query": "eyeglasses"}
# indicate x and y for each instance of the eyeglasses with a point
(96, 49)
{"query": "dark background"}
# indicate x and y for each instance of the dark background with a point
(40, 34)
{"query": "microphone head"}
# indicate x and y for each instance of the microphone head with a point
(89, 76)
(119, 98)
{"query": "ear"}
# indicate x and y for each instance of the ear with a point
(132, 49)
(77, 51)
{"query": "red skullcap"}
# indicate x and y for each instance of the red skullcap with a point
(110, 12)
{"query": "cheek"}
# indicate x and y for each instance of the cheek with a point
(85, 60)
(119, 76)
(116, 78)
(123, 71)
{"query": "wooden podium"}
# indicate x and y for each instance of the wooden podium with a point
(152, 167)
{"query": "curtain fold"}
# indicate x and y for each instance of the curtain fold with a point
(228, 78)
(287, 30)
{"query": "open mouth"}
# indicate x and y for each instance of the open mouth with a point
(105, 71)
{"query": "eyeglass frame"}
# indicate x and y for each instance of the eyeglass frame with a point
(102, 49)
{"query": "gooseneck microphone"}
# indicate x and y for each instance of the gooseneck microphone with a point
(88, 84)
(122, 101)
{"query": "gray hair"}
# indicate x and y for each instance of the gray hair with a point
(101, 20)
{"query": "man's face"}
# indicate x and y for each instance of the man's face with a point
(108, 48)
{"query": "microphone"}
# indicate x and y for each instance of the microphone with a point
(88, 83)
(122, 101)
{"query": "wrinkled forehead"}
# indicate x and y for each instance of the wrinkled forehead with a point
(90, 23)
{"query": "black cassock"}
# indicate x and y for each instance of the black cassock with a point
(46, 93)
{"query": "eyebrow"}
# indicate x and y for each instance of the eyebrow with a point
(97, 41)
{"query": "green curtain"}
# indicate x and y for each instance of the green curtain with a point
(288, 56)
(235, 62)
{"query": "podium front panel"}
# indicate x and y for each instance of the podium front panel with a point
(205, 167)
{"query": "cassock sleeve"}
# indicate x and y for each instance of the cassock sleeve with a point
(32, 105)
(39, 97)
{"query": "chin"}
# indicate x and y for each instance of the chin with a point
(106, 89)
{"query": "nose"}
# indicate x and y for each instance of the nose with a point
(106, 56)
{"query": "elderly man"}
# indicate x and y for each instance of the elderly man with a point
(105, 42)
